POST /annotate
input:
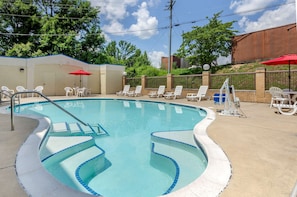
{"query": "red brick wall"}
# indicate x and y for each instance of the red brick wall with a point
(265, 44)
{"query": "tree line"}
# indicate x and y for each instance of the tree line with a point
(33, 28)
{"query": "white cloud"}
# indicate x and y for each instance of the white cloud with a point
(244, 7)
(283, 15)
(146, 25)
(153, 3)
(155, 58)
(116, 11)
(114, 27)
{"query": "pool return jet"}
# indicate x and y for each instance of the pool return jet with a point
(231, 103)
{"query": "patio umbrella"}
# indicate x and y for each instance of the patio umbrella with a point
(80, 73)
(285, 59)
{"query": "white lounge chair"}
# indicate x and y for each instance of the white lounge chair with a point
(200, 94)
(157, 94)
(286, 109)
(173, 95)
(136, 92)
(124, 91)
(278, 96)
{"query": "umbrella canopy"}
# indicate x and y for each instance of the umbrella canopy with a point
(285, 59)
(80, 73)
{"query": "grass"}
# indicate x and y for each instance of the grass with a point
(252, 67)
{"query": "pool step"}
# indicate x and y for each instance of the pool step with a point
(74, 169)
(74, 128)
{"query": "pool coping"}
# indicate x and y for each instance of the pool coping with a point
(36, 181)
(218, 172)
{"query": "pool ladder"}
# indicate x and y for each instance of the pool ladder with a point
(12, 103)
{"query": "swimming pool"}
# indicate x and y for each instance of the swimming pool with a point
(133, 129)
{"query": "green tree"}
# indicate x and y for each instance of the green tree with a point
(70, 27)
(18, 20)
(203, 45)
(126, 54)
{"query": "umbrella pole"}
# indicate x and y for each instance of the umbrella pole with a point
(289, 77)
(80, 81)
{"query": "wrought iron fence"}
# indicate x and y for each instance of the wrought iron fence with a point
(188, 81)
(155, 82)
(241, 81)
(281, 79)
(133, 82)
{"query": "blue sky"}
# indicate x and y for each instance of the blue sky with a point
(145, 23)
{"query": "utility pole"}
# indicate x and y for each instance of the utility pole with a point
(170, 7)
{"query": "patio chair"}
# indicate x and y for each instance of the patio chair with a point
(80, 92)
(6, 91)
(38, 89)
(20, 89)
(136, 92)
(200, 94)
(173, 95)
(286, 109)
(124, 91)
(157, 94)
(69, 91)
(278, 96)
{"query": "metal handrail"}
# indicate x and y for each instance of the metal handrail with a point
(45, 97)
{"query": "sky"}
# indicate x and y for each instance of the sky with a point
(145, 23)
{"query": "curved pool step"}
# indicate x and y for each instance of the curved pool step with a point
(172, 145)
(68, 166)
(74, 128)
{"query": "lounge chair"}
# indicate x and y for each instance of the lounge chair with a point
(278, 96)
(136, 92)
(124, 91)
(173, 95)
(200, 94)
(286, 109)
(157, 94)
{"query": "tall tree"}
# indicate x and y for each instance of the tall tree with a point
(71, 27)
(203, 45)
(18, 20)
(126, 54)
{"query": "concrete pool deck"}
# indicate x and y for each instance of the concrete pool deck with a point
(262, 149)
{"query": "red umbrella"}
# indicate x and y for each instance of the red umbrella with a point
(285, 59)
(80, 73)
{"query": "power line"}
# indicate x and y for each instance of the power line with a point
(129, 31)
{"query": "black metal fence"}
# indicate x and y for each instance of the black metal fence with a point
(281, 79)
(155, 82)
(241, 81)
(188, 81)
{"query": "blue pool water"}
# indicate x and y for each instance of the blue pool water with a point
(146, 149)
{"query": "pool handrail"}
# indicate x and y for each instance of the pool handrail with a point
(45, 97)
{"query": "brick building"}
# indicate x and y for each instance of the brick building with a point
(264, 44)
